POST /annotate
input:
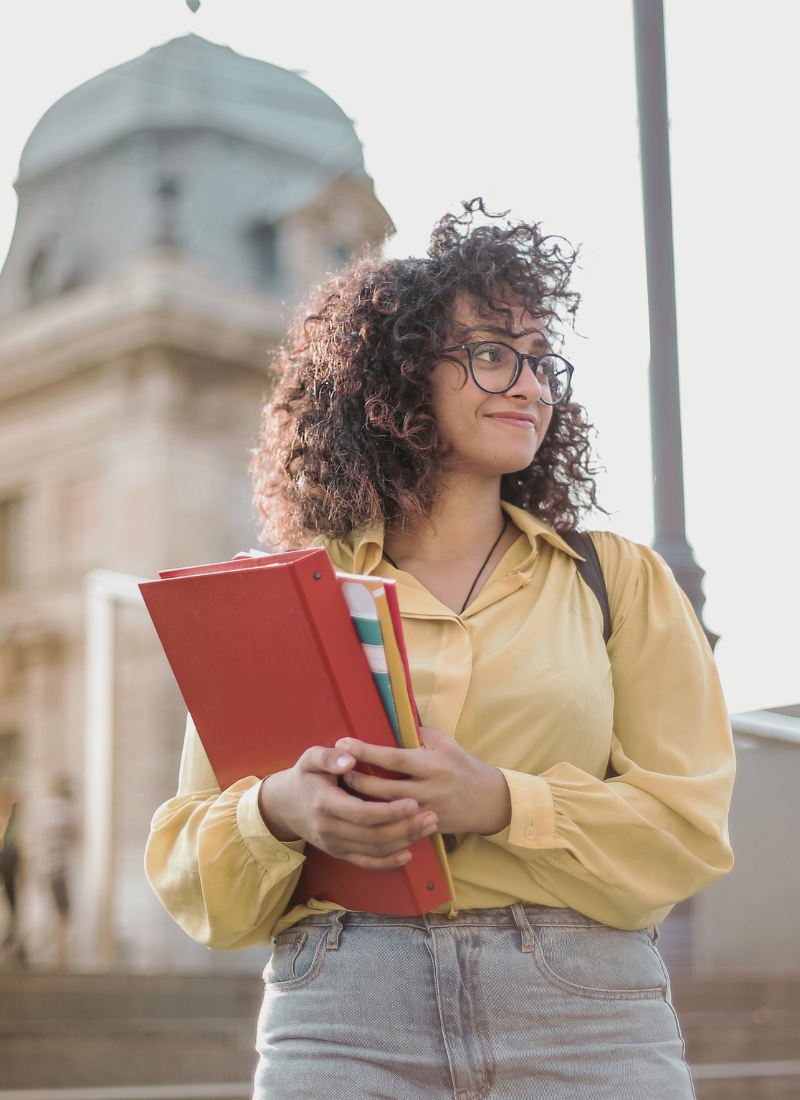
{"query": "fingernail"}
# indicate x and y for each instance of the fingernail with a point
(429, 829)
(344, 761)
(404, 858)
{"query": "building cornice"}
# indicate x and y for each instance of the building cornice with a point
(158, 300)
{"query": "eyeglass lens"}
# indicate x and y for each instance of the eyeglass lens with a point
(494, 367)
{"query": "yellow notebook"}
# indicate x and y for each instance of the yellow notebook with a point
(404, 708)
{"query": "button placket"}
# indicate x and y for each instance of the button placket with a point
(451, 680)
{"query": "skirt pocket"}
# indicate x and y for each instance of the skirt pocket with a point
(600, 962)
(298, 957)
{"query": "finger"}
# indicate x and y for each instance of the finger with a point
(408, 761)
(373, 863)
(387, 790)
(346, 807)
(327, 761)
(380, 841)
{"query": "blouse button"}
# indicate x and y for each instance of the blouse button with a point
(530, 832)
(282, 855)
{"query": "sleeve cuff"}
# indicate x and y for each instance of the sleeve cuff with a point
(269, 852)
(533, 817)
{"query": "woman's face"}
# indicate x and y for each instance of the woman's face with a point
(490, 434)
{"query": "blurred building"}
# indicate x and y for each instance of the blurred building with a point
(167, 209)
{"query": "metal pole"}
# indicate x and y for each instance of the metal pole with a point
(665, 410)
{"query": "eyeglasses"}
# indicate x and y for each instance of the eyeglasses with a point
(496, 367)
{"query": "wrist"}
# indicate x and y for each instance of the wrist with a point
(496, 807)
(269, 806)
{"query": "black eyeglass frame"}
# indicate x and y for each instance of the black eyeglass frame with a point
(522, 358)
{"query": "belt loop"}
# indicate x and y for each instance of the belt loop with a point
(525, 930)
(335, 930)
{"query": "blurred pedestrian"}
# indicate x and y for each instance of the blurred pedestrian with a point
(10, 863)
(57, 834)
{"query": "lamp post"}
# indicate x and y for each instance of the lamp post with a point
(665, 412)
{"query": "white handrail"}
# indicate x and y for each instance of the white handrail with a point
(765, 723)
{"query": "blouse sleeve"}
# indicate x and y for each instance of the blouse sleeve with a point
(624, 849)
(212, 861)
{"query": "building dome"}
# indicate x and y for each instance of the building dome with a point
(190, 83)
(246, 170)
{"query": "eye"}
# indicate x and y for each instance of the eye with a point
(488, 353)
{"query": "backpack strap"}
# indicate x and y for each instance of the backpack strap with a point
(592, 572)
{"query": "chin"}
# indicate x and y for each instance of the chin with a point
(503, 469)
(517, 462)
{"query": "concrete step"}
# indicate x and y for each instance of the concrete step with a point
(764, 1086)
(39, 1060)
(72, 1030)
(84, 1031)
(747, 1026)
(735, 994)
(117, 996)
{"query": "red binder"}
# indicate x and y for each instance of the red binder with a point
(269, 663)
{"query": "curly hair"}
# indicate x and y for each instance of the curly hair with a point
(349, 439)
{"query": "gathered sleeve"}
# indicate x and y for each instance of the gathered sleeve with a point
(212, 861)
(625, 848)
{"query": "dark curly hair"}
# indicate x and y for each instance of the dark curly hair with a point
(349, 439)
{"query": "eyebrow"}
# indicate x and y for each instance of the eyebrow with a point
(496, 330)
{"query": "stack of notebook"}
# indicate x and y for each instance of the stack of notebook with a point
(276, 653)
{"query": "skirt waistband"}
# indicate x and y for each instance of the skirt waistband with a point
(511, 916)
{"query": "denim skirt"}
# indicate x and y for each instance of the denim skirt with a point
(522, 1003)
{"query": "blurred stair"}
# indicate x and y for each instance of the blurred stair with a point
(73, 1030)
(737, 1023)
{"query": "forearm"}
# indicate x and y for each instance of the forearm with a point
(217, 870)
(613, 849)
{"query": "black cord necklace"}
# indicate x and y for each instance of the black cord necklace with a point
(478, 574)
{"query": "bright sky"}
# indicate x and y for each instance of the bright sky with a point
(532, 104)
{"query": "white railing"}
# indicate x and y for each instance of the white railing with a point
(103, 589)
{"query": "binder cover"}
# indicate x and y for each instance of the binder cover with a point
(269, 663)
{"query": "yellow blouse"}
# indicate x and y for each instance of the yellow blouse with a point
(523, 681)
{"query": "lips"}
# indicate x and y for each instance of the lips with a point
(519, 419)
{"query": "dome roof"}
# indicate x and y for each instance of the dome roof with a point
(190, 83)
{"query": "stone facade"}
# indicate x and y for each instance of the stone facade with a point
(143, 289)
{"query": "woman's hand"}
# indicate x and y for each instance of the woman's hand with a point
(305, 802)
(467, 795)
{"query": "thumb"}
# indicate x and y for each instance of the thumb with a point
(329, 761)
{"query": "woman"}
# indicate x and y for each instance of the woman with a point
(422, 430)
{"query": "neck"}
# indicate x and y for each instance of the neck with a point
(466, 518)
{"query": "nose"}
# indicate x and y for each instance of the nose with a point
(527, 387)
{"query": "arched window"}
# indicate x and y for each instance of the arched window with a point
(38, 270)
(10, 542)
(10, 753)
(340, 254)
(263, 242)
